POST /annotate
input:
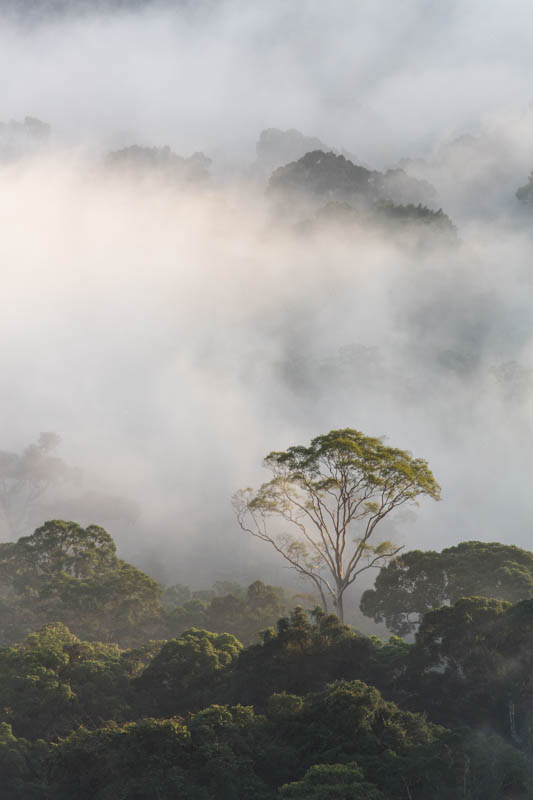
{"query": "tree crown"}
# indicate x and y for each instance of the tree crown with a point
(344, 483)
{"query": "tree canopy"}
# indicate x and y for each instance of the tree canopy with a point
(319, 725)
(160, 161)
(329, 498)
(418, 581)
(324, 175)
(64, 572)
(67, 573)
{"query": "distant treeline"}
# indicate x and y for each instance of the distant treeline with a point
(70, 574)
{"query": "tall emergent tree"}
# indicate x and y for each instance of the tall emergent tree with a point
(321, 509)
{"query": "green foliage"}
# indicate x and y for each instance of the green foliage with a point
(208, 757)
(21, 766)
(332, 782)
(415, 582)
(320, 726)
(66, 573)
(86, 719)
(399, 754)
(54, 682)
(332, 495)
(227, 753)
(453, 662)
(260, 608)
(175, 596)
(453, 637)
(242, 612)
(188, 672)
(472, 664)
(142, 760)
(492, 768)
(304, 654)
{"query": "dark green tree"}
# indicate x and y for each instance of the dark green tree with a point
(189, 672)
(67, 573)
(22, 766)
(472, 663)
(332, 782)
(53, 682)
(245, 617)
(210, 756)
(229, 608)
(456, 672)
(305, 653)
(418, 581)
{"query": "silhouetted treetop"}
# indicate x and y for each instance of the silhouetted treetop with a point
(328, 176)
(525, 193)
(161, 161)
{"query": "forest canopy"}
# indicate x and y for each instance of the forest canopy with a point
(203, 717)
(420, 580)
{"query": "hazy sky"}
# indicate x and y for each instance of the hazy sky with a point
(382, 79)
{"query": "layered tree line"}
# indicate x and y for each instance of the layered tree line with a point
(112, 686)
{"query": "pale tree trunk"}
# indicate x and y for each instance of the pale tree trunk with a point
(339, 604)
(322, 597)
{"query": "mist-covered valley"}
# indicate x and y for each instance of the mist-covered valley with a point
(227, 229)
(175, 328)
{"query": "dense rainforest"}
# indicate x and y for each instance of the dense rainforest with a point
(113, 686)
